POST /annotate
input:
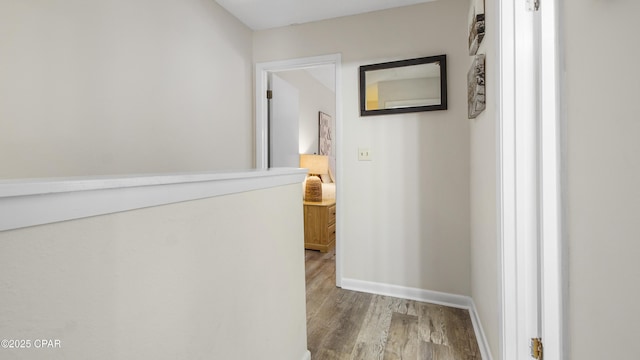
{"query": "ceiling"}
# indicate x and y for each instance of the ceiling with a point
(267, 14)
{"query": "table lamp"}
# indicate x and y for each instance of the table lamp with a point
(317, 164)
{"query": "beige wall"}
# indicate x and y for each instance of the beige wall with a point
(405, 214)
(181, 281)
(603, 196)
(114, 87)
(484, 222)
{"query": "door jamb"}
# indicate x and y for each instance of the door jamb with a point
(553, 248)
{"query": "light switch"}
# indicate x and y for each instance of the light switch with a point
(364, 154)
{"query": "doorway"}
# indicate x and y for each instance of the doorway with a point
(284, 68)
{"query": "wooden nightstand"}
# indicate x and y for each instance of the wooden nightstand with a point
(319, 225)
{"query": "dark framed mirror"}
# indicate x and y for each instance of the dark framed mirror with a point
(404, 86)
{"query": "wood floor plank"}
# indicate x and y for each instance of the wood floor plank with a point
(431, 351)
(375, 328)
(315, 336)
(325, 290)
(347, 322)
(378, 319)
(334, 316)
(368, 351)
(328, 354)
(320, 280)
(432, 324)
(460, 333)
(402, 342)
(404, 306)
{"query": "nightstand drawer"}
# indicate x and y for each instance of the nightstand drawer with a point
(332, 232)
(332, 214)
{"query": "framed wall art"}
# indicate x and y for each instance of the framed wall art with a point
(476, 26)
(325, 140)
(476, 86)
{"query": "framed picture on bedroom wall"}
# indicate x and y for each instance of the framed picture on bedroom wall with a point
(325, 141)
(476, 25)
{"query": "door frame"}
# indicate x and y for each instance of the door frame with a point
(554, 248)
(262, 71)
(538, 224)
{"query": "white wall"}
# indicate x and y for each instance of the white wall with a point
(405, 217)
(314, 97)
(284, 113)
(114, 87)
(181, 281)
(485, 259)
(603, 196)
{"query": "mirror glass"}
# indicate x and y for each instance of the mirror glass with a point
(403, 86)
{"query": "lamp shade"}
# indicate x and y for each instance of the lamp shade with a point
(317, 164)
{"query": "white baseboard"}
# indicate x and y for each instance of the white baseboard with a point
(480, 336)
(434, 297)
(306, 355)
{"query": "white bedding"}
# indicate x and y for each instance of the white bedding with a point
(328, 191)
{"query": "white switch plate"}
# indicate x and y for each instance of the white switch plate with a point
(364, 154)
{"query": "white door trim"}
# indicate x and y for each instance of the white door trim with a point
(262, 70)
(506, 179)
(553, 249)
(519, 52)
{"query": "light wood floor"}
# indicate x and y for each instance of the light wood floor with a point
(345, 325)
